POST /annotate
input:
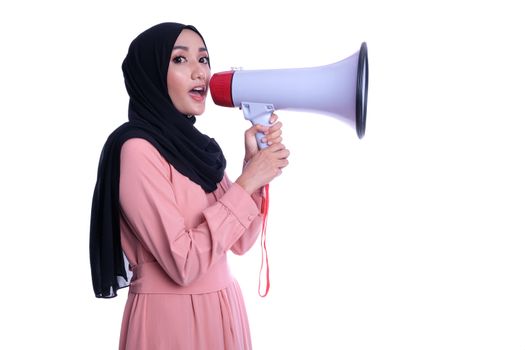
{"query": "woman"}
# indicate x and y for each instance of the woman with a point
(163, 199)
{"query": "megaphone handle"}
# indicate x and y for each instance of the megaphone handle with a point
(260, 143)
(258, 113)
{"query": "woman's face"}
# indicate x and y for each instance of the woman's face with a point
(188, 73)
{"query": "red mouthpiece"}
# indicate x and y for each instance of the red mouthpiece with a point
(221, 88)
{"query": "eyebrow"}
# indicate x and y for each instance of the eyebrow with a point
(185, 48)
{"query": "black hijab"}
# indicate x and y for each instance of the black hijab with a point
(152, 116)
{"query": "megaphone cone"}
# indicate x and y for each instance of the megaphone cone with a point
(339, 89)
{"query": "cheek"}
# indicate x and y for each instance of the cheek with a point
(175, 86)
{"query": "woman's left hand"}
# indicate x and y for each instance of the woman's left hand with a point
(272, 134)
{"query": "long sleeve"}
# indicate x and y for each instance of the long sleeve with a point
(246, 241)
(184, 234)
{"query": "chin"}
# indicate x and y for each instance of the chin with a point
(198, 111)
(192, 111)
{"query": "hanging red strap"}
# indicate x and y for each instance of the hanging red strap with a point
(264, 253)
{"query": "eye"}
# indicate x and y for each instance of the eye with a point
(205, 60)
(178, 59)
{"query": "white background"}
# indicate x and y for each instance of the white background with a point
(411, 238)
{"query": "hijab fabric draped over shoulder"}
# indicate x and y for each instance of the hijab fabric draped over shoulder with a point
(152, 116)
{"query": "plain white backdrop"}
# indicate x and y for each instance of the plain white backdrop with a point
(411, 238)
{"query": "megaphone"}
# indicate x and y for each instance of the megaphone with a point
(339, 90)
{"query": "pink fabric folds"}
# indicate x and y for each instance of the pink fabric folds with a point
(150, 278)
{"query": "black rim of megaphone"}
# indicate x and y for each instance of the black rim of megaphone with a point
(361, 91)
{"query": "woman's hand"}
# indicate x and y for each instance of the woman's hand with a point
(272, 134)
(262, 166)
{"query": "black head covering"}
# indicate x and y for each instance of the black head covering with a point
(152, 116)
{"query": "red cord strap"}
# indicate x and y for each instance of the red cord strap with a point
(264, 253)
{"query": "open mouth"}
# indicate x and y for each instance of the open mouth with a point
(199, 90)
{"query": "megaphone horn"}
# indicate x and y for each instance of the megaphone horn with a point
(339, 89)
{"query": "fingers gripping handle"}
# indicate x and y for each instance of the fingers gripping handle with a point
(258, 113)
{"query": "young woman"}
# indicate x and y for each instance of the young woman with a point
(164, 208)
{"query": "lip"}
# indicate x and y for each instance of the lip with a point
(196, 96)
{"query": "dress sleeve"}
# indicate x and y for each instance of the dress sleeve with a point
(149, 207)
(246, 241)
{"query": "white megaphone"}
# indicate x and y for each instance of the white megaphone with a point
(339, 89)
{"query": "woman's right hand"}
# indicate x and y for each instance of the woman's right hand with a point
(263, 167)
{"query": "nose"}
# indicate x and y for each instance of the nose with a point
(198, 73)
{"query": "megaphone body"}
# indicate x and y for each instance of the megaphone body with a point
(339, 90)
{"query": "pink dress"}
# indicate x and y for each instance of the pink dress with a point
(176, 238)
